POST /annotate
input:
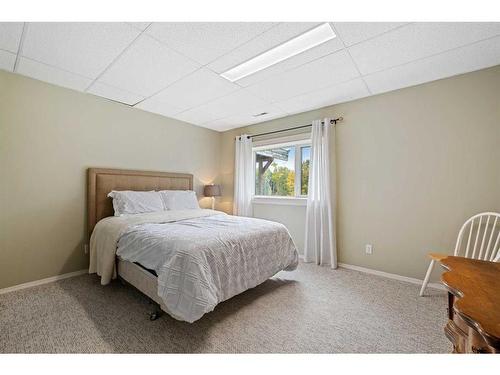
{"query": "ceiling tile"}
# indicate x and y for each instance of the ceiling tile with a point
(239, 121)
(205, 41)
(7, 60)
(82, 48)
(195, 89)
(416, 41)
(147, 67)
(232, 104)
(262, 43)
(268, 40)
(162, 63)
(294, 62)
(139, 25)
(10, 35)
(114, 93)
(196, 116)
(465, 59)
(220, 125)
(52, 75)
(248, 117)
(160, 108)
(327, 71)
(355, 32)
(343, 92)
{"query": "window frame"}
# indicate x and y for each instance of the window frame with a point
(297, 198)
(298, 164)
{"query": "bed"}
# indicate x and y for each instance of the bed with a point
(186, 261)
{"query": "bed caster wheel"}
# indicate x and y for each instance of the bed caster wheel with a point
(157, 311)
(153, 316)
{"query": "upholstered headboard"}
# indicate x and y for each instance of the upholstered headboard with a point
(102, 181)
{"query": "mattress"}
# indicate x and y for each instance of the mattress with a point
(206, 258)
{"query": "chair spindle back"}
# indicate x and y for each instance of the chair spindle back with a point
(483, 237)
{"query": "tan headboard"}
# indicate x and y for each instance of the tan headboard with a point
(102, 181)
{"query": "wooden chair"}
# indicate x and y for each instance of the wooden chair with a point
(483, 228)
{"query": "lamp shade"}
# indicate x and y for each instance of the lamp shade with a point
(212, 191)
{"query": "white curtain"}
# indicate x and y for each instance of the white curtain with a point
(320, 242)
(243, 176)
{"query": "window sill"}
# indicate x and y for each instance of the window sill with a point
(289, 201)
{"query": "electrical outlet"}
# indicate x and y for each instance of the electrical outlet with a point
(85, 248)
(369, 249)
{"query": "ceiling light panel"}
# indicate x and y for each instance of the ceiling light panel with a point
(301, 59)
(10, 35)
(205, 41)
(304, 42)
(52, 75)
(147, 67)
(416, 41)
(264, 42)
(271, 38)
(83, 48)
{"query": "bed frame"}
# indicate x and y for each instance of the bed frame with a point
(100, 183)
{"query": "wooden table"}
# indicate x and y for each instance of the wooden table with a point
(474, 304)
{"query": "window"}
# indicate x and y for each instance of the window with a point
(282, 170)
(305, 160)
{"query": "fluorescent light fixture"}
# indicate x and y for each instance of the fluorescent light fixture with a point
(303, 42)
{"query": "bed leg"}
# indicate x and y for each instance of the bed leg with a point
(157, 311)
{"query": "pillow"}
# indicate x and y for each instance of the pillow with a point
(179, 199)
(136, 202)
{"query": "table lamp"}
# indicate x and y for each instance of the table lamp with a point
(212, 191)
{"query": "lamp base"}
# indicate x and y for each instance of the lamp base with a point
(213, 203)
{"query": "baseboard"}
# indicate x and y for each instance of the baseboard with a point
(391, 276)
(43, 281)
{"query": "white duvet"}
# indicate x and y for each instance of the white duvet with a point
(201, 257)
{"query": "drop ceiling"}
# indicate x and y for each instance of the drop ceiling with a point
(173, 69)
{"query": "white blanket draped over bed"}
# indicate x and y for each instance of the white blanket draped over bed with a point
(201, 257)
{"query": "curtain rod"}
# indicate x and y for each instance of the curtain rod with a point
(332, 122)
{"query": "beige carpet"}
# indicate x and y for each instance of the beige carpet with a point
(314, 309)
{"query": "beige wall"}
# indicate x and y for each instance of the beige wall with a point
(412, 165)
(49, 136)
(293, 217)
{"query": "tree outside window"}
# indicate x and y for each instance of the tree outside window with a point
(282, 171)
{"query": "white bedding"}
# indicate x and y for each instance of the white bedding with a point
(202, 257)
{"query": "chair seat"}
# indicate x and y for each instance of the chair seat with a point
(437, 256)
